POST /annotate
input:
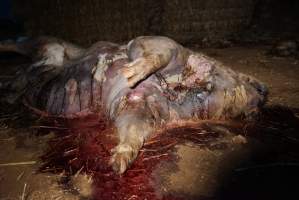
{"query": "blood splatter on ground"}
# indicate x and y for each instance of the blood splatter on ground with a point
(88, 149)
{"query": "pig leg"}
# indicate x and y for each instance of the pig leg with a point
(44, 50)
(133, 127)
(141, 68)
(149, 54)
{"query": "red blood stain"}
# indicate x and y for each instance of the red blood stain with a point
(88, 148)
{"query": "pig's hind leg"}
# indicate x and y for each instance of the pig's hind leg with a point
(148, 54)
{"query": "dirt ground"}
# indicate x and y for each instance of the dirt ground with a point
(200, 173)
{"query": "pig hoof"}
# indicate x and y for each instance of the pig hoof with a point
(122, 157)
(135, 71)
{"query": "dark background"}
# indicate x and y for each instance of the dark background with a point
(188, 21)
(271, 171)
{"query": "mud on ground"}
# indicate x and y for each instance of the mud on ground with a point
(200, 173)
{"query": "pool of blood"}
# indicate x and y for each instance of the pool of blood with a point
(86, 147)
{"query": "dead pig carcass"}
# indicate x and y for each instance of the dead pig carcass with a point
(152, 83)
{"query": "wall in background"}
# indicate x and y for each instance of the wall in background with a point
(87, 21)
(276, 17)
(5, 9)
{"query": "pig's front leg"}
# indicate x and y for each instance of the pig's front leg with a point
(133, 125)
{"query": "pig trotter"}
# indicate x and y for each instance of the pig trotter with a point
(131, 140)
(123, 156)
(140, 69)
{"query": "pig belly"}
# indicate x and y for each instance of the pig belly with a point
(81, 89)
